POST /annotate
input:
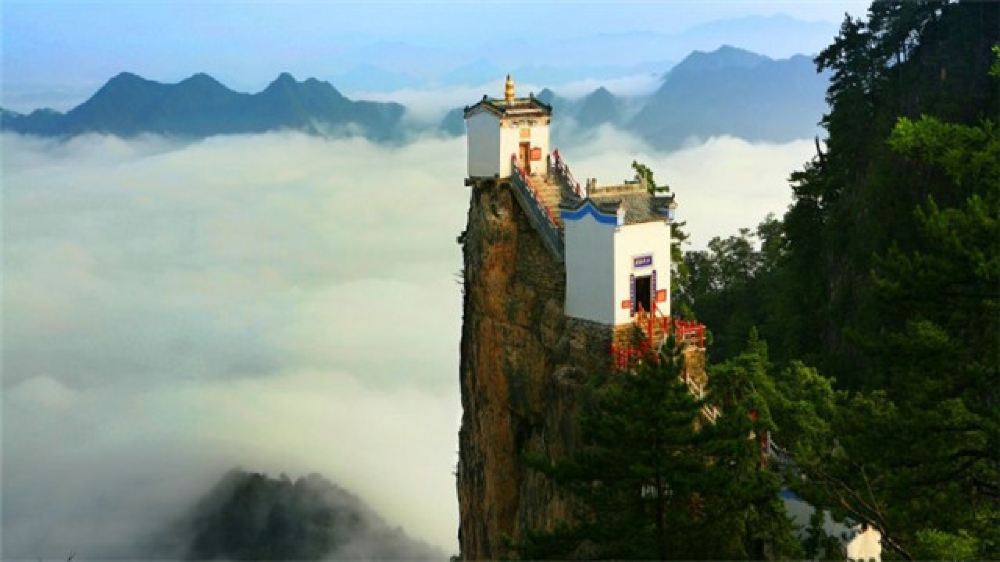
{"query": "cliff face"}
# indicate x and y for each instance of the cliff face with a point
(522, 371)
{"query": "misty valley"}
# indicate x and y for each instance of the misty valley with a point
(719, 288)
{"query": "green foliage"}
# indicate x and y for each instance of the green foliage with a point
(645, 174)
(818, 545)
(940, 353)
(815, 299)
(968, 156)
(937, 545)
(885, 273)
(727, 285)
(745, 491)
(633, 475)
(655, 480)
(917, 450)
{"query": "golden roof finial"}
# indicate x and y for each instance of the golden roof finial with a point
(508, 89)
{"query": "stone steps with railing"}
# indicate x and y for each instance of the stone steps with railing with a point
(543, 194)
(535, 196)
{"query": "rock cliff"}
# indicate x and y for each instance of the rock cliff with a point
(522, 371)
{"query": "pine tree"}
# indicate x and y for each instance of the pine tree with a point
(657, 480)
(885, 274)
(635, 475)
(745, 490)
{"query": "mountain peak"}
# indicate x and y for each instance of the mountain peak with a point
(711, 94)
(737, 54)
(730, 50)
(545, 96)
(202, 82)
(200, 78)
(218, 526)
(724, 57)
(126, 77)
(200, 106)
(125, 80)
(601, 92)
(125, 84)
(285, 83)
(599, 106)
(284, 79)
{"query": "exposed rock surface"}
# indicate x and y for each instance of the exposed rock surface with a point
(523, 368)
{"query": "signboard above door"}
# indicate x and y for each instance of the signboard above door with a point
(642, 261)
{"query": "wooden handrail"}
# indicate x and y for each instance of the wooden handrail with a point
(562, 170)
(685, 331)
(539, 215)
(521, 175)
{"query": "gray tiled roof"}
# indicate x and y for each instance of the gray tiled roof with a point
(500, 107)
(640, 206)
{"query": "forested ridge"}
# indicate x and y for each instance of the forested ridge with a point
(884, 274)
(860, 332)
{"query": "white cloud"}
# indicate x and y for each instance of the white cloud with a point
(277, 301)
(721, 184)
(43, 392)
(280, 302)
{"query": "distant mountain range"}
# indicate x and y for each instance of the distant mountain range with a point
(728, 91)
(734, 92)
(200, 106)
(558, 59)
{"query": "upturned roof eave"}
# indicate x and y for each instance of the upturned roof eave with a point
(492, 105)
(610, 207)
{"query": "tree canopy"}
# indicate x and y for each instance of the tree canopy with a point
(885, 275)
(878, 296)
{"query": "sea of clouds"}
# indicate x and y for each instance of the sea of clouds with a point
(279, 302)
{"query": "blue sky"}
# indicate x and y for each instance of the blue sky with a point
(55, 53)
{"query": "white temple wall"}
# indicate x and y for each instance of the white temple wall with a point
(589, 275)
(514, 132)
(633, 243)
(483, 142)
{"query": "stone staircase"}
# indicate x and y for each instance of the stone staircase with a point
(540, 200)
(540, 196)
(549, 192)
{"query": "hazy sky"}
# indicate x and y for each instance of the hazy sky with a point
(56, 53)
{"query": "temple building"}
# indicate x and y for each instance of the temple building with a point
(613, 240)
(499, 128)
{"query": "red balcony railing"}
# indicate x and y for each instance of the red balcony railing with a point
(656, 328)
